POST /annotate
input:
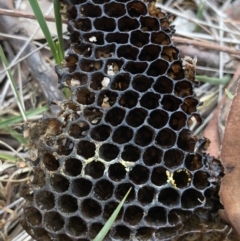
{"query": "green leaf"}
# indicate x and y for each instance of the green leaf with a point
(8, 157)
(103, 232)
(214, 81)
(229, 94)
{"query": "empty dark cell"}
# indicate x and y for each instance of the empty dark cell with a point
(76, 226)
(177, 120)
(105, 24)
(83, 49)
(90, 208)
(72, 11)
(122, 135)
(97, 81)
(150, 101)
(117, 172)
(121, 191)
(146, 195)
(103, 189)
(42, 234)
(160, 38)
(93, 115)
(168, 232)
(169, 197)
(59, 183)
(170, 103)
(86, 149)
(95, 229)
(62, 237)
(95, 169)
(90, 65)
(133, 215)
(115, 116)
(121, 232)
(131, 153)
(163, 85)
(45, 200)
(139, 174)
(156, 216)
(113, 66)
(108, 152)
(166, 138)
(105, 52)
(149, 24)
(94, 37)
(119, 38)
(114, 9)
(173, 158)
(81, 187)
(136, 117)
(191, 198)
(109, 208)
(158, 67)
(149, 53)
(127, 52)
(72, 61)
(79, 130)
(50, 162)
(158, 118)
(107, 98)
(129, 99)
(65, 146)
(127, 24)
(85, 97)
(67, 204)
(83, 24)
(33, 216)
(121, 82)
(182, 178)
(186, 141)
(190, 105)
(144, 136)
(101, 1)
(169, 53)
(200, 180)
(183, 88)
(135, 67)
(136, 9)
(176, 71)
(75, 37)
(152, 156)
(53, 221)
(77, 79)
(139, 39)
(159, 176)
(142, 83)
(90, 10)
(101, 132)
(145, 233)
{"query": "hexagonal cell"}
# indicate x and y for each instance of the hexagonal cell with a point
(116, 172)
(152, 156)
(101, 132)
(121, 232)
(126, 24)
(33, 216)
(183, 88)
(170, 103)
(90, 10)
(90, 208)
(177, 120)
(97, 81)
(166, 138)
(76, 79)
(169, 197)
(193, 162)
(93, 115)
(119, 38)
(200, 180)
(121, 191)
(94, 229)
(50, 162)
(94, 37)
(79, 130)
(131, 153)
(103, 190)
(86, 149)
(72, 60)
(83, 24)
(95, 169)
(127, 52)
(121, 82)
(109, 208)
(145, 233)
(146, 195)
(76, 226)
(122, 135)
(149, 24)
(159, 176)
(167, 233)
(72, 167)
(190, 105)
(105, 52)
(173, 158)
(53, 221)
(136, 117)
(150, 101)
(142, 83)
(59, 183)
(81, 187)
(108, 152)
(139, 174)
(156, 216)
(135, 67)
(133, 215)
(158, 118)
(39, 178)
(87, 65)
(84, 49)
(107, 98)
(144, 136)
(42, 234)
(65, 146)
(45, 200)
(186, 141)
(129, 99)
(149, 52)
(160, 38)
(136, 9)
(158, 67)
(191, 198)
(85, 96)
(67, 204)
(163, 85)
(139, 39)
(105, 24)
(114, 9)
(176, 71)
(169, 53)
(115, 116)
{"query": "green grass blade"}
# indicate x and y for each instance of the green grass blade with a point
(214, 81)
(199, 15)
(8, 157)
(42, 22)
(58, 47)
(101, 235)
(229, 94)
(16, 135)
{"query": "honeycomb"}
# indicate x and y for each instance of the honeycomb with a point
(125, 126)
